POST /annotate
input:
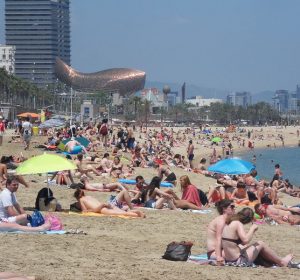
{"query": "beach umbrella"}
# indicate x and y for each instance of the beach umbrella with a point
(44, 163)
(232, 166)
(216, 139)
(28, 114)
(52, 123)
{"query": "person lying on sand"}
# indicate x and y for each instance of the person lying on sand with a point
(10, 226)
(100, 186)
(235, 242)
(15, 276)
(91, 204)
(226, 208)
(280, 214)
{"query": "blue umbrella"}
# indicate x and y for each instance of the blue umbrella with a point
(232, 166)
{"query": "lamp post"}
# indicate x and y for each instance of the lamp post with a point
(166, 91)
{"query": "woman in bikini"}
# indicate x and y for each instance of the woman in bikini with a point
(117, 168)
(235, 242)
(156, 198)
(240, 195)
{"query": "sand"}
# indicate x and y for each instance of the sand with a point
(116, 248)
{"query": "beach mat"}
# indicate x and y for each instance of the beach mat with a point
(92, 214)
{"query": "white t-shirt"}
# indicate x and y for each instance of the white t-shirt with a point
(27, 127)
(7, 198)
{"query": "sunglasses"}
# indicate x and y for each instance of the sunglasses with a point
(232, 206)
(15, 184)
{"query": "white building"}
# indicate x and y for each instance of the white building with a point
(199, 101)
(7, 58)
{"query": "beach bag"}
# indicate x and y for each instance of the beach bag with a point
(178, 251)
(45, 200)
(202, 197)
(36, 219)
(55, 222)
(103, 130)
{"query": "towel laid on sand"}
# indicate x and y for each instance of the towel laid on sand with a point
(92, 214)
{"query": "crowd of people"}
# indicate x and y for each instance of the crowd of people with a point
(118, 152)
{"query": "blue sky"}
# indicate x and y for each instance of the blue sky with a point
(226, 44)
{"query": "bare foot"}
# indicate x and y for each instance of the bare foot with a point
(285, 261)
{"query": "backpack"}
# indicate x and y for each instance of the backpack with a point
(55, 222)
(203, 197)
(103, 130)
(44, 199)
(36, 219)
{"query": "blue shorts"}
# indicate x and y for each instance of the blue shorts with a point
(191, 157)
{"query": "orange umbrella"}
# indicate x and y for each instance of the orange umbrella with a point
(27, 114)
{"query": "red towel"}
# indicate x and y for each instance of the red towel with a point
(191, 194)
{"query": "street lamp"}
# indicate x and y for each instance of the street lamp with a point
(166, 91)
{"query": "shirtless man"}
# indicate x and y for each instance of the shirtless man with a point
(69, 147)
(215, 228)
(190, 153)
(130, 137)
(100, 186)
(84, 169)
(280, 214)
(91, 204)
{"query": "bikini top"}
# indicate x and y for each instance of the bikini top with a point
(236, 241)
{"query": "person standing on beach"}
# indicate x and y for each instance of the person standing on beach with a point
(27, 132)
(190, 153)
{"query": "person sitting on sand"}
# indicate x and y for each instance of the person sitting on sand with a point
(100, 187)
(10, 209)
(140, 190)
(235, 242)
(12, 226)
(116, 170)
(225, 208)
(165, 171)
(216, 193)
(91, 204)
(83, 169)
(190, 195)
(156, 198)
(280, 214)
(240, 195)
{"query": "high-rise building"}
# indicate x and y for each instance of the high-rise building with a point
(40, 30)
(243, 99)
(7, 58)
(281, 100)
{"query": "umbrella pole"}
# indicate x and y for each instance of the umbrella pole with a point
(48, 184)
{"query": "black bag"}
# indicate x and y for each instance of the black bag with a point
(178, 251)
(203, 197)
(46, 194)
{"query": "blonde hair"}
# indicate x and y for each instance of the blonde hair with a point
(186, 181)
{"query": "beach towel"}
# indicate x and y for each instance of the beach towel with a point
(201, 259)
(92, 214)
(133, 182)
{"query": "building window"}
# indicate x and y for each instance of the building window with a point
(3, 56)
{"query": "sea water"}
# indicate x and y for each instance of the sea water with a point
(287, 158)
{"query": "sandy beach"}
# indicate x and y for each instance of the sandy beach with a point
(116, 248)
